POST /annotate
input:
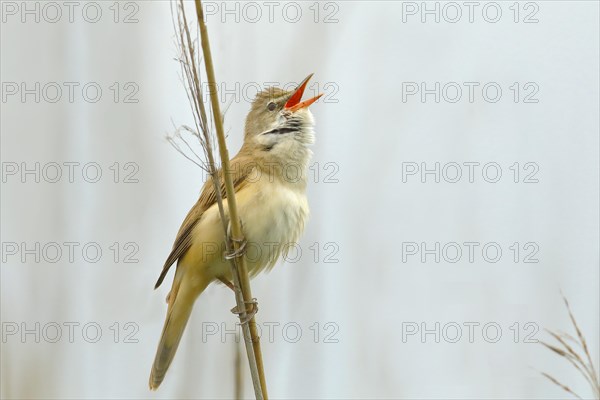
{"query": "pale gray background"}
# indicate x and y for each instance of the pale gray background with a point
(368, 213)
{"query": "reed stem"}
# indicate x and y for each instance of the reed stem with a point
(241, 279)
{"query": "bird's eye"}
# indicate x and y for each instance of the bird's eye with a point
(271, 106)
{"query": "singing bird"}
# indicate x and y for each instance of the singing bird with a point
(269, 177)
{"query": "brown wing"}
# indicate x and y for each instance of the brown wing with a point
(241, 167)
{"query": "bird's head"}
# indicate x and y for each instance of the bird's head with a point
(279, 122)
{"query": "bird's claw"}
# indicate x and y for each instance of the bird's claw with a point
(249, 313)
(238, 252)
(240, 241)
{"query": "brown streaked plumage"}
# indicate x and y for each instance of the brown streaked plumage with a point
(207, 199)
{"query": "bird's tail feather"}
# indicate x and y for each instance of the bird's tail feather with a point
(181, 301)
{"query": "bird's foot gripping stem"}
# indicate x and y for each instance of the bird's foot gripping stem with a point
(249, 313)
(238, 252)
(241, 244)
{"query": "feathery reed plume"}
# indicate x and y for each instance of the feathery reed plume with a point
(183, 141)
(571, 349)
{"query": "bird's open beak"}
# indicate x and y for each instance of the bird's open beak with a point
(294, 104)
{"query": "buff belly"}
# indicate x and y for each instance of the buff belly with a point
(273, 218)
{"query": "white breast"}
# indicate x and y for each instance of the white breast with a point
(273, 216)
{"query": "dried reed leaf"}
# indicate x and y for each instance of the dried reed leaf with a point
(557, 383)
(572, 356)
